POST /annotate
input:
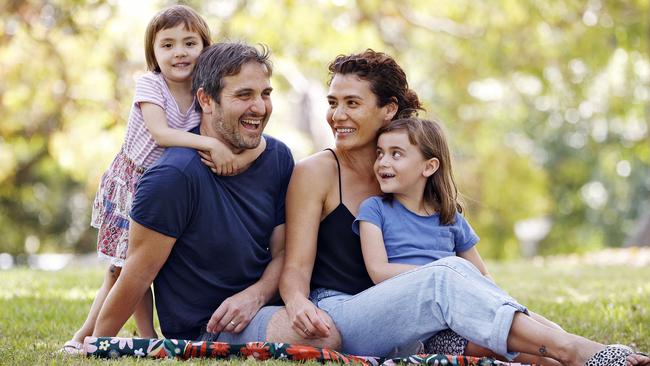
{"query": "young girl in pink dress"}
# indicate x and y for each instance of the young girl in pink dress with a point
(163, 111)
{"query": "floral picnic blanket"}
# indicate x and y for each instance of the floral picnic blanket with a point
(115, 347)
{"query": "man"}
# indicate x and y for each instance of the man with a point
(213, 245)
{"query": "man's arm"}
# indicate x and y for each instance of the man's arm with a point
(240, 308)
(148, 251)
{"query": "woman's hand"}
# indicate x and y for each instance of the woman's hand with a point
(307, 320)
(310, 183)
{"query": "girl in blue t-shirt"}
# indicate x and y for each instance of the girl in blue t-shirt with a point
(418, 220)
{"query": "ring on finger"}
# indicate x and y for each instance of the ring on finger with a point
(233, 323)
(306, 331)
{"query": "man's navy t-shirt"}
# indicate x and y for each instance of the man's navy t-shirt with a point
(222, 227)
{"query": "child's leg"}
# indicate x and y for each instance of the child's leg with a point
(87, 328)
(144, 316)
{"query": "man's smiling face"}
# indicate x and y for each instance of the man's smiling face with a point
(244, 107)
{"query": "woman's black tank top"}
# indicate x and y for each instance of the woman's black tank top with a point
(339, 263)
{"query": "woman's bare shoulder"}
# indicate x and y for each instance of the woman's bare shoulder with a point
(319, 170)
(320, 163)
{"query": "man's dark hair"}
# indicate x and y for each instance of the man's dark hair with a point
(225, 59)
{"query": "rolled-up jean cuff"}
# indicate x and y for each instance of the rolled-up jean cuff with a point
(503, 322)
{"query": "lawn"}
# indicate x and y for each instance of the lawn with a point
(40, 310)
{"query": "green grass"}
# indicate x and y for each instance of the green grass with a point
(41, 310)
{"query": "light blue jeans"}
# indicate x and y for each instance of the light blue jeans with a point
(255, 331)
(413, 306)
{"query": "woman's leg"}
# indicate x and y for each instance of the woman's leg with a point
(143, 315)
(448, 342)
(525, 358)
(544, 321)
(448, 293)
(88, 326)
(413, 306)
(529, 336)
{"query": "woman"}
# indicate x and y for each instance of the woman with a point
(323, 255)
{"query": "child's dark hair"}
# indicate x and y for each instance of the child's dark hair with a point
(387, 79)
(440, 190)
(169, 18)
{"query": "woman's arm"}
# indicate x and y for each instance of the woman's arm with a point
(473, 256)
(374, 254)
(223, 160)
(304, 207)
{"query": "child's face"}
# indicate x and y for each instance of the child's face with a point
(400, 167)
(176, 50)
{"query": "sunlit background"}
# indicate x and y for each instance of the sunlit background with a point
(546, 104)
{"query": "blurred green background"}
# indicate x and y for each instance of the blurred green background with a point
(546, 104)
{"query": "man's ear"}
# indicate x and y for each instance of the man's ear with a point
(431, 167)
(205, 101)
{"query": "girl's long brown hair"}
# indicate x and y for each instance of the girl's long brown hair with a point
(440, 190)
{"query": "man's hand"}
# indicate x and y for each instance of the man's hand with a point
(234, 313)
(307, 320)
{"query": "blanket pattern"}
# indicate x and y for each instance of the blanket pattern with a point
(115, 347)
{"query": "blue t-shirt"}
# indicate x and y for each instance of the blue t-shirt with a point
(410, 238)
(222, 227)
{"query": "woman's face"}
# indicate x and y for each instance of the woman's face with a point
(353, 113)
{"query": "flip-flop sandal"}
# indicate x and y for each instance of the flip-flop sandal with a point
(612, 355)
(72, 348)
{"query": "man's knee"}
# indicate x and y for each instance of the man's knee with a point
(280, 330)
(332, 342)
(334, 339)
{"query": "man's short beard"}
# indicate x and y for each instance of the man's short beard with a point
(234, 139)
(243, 144)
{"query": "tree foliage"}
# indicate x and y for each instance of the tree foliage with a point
(546, 103)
